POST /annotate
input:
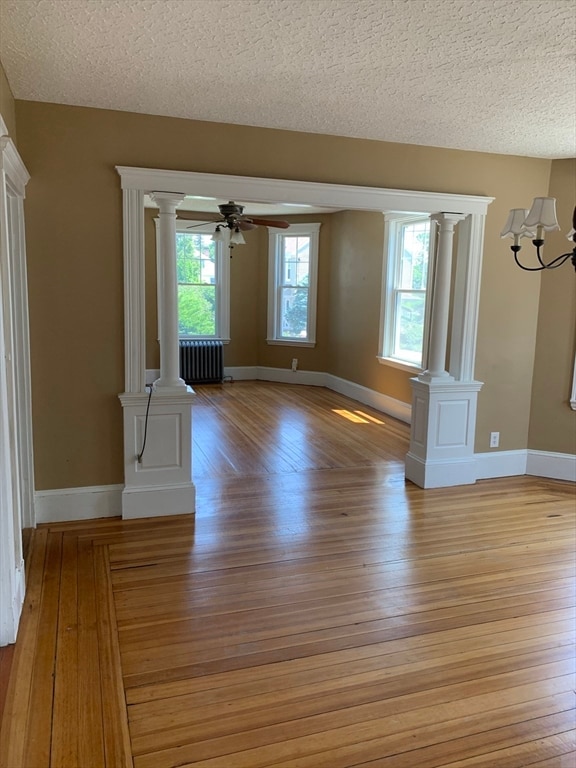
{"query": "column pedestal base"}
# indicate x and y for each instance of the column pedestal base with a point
(160, 483)
(442, 434)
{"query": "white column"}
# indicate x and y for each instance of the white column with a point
(169, 353)
(441, 297)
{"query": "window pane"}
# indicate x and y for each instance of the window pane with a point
(296, 260)
(195, 258)
(414, 244)
(294, 312)
(409, 330)
(197, 310)
(196, 272)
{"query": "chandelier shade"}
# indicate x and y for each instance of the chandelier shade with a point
(515, 224)
(542, 214)
(542, 218)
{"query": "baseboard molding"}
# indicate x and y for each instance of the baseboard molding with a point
(558, 466)
(241, 373)
(500, 464)
(159, 501)
(440, 473)
(64, 504)
(11, 606)
(288, 376)
(396, 408)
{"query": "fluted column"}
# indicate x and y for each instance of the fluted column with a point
(169, 352)
(441, 297)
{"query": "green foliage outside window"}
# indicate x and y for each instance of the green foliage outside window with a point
(196, 270)
(295, 319)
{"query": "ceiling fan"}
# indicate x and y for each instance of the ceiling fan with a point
(232, 217)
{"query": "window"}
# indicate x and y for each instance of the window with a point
(202, 272)
(292, 285)
(407, 277)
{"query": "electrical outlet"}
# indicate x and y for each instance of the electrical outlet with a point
(494, 439)
(294, 363)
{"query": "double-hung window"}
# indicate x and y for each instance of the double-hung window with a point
(407, 280)
(203, 277)
(292, 285)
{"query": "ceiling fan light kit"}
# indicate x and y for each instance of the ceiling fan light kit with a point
(234, 220)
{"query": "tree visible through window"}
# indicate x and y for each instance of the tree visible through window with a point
(294, 287)
(196, 274)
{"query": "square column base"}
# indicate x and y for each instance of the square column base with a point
(158, 454)
(158, 502)
(442, 433)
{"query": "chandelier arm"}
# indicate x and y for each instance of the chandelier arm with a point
(538, 244)
(527, 269)
(559, 260)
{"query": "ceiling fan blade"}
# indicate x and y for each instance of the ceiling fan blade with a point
(191, 216)
(200, 224)
(270, 223)
(246, 225)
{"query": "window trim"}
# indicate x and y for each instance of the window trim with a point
(311, 230)
(222, 280)
(390, 267)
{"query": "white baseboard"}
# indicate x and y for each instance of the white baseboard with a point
(384, 403)
(159, 501)
(242, 372)
(440, 473)
(63, 504)
(11, 606)
(559, 466)
(500, 464)
(288, 376)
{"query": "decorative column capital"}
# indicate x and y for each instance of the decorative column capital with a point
(448, 219)
(167, 201)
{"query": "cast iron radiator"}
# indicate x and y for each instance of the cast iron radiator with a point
(201, 361)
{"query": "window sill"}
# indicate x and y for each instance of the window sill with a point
(408, 367)
(290, 343)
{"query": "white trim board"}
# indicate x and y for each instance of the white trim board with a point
(65, 504)
(500, 464)
(558, 466)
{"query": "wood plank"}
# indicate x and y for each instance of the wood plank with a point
(116, 737)
(64, 747)
(39, 715)
(371, 739)
(90, 716)
(317, 612)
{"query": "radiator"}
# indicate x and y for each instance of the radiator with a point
(201, 361)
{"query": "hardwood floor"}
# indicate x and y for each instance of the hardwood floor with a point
(317, 612)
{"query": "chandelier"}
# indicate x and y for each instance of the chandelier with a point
(533, 223)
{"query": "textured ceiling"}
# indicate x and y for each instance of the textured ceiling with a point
(486, 75)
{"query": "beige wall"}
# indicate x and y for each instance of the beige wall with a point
(74, 239)
(7, 105)
(355, 290)
(552, 421)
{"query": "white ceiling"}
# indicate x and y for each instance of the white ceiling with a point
(210, 205)
(485, 75)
